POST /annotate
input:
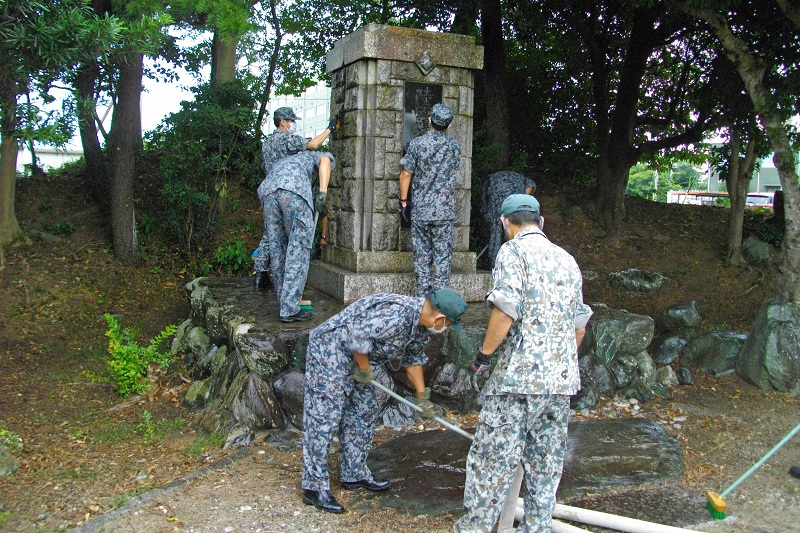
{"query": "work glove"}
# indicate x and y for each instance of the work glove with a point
(332, 124)
(405, 212)
(424, 402)
(480, 370)
(363, 376)
(319, 201)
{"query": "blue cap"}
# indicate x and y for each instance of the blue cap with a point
(285, 113)
(441, 115)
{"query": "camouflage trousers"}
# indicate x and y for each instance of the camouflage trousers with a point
(289, 222)
(495, 237)
(335, 404)
(262, 255)
(433, 250)
(513, 429)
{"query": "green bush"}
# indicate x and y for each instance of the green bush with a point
(128, 361)
(203, 148)
(233, 257)
(60, 228)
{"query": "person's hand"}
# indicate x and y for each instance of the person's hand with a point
(332, 124)
(405, 210)
(424, 402)
(319, 201)
(363, 376)
(480, 370)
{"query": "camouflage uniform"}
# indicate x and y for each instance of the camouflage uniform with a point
(495, 189)
(288, 206)
(433, 160)
(383, 326)
(278, 145)
(524, 418)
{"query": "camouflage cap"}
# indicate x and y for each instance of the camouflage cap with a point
(285, 113)
(519, 202)
(451, 304)
(441, 115)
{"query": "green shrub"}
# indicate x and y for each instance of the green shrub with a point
(10, 440)
(128, 361)
(60, 228)
(233, 257)
(202, 148)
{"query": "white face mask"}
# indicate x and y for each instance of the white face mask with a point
(293, 127)
(435, 331)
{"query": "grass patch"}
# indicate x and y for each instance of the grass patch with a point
(200, 445)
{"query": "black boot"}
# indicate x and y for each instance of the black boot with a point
(322, 499)
(262, 281)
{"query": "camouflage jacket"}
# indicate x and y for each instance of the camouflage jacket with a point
(278, 145)
(433, 160)
(295, 173)
(539, 285)
(498, 186)
(383, 326)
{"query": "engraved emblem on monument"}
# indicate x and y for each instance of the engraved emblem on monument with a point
(425, 62)
(418, 98)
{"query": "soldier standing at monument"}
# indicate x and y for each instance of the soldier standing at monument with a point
(432, 160)
(338, 396)
(279, 144)
(496, 188)
(538, 304)
(289, 206)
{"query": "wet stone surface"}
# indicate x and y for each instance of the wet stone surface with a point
(427, 469)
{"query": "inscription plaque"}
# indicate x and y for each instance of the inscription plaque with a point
(418, 99)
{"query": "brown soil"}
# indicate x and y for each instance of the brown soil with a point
(85, 451)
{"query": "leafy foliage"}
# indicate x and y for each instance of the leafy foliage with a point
(642, 181)
(202, 149)
(10, 440)
(128, 360)
(233, 257)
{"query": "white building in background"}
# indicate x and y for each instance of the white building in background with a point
(48, 157)
(313, 108)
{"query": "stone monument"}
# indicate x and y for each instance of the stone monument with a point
(384, 80)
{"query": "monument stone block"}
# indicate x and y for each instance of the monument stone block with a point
(385, 80)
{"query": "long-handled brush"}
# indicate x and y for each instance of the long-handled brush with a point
(716, 502)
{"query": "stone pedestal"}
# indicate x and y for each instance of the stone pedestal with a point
(384, 81)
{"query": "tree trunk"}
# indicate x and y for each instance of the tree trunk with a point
(96, 172)
(737, 183)
(273, 64)
(9, 226)
(616, 153)
(494, 69)
(124, 142)
(752, 72)
(223, 60)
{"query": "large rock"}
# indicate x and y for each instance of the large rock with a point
(614, 332)
(634, 279)
(668, 348)
(757, 252)
(681, 317)
(289, 389)
(8, 463)
(770, 358)
(714, 351)
(255, 405)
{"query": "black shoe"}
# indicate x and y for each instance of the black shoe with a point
(262, 281)
(376, 485)
(795, 471)
(300, 316)
(322, 499)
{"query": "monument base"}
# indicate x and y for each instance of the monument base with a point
(347, 286)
